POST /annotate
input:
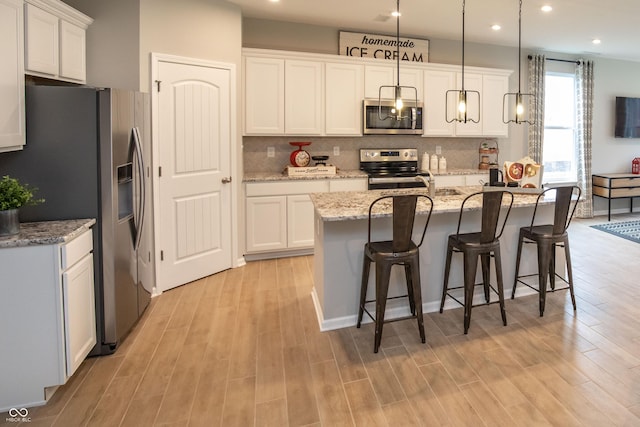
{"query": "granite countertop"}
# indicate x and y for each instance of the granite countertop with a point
(47, 232)
(341, 174)
(343, 206)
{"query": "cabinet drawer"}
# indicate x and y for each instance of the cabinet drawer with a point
(625, 182)
(286, 187)
(625, 192)
(73, 251)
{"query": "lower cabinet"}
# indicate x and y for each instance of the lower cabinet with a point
(48, 317)
(280, 214)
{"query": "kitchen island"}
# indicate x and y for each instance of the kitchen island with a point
(341, 220)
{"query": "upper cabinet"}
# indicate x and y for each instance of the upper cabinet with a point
(12, 124)
(55, 40)
(295, 93)
(490, 84)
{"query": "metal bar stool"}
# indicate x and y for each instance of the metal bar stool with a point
(401, 250)
(484, 245)
(547, 237)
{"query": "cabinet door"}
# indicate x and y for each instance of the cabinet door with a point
(472, 81)
(410, 77)
(79, 312)
(42, 30)
(304, 102)
(72, 52)
(358, 184)
(264, 96)
(376, 76)
(436, 85)
(12, 130)
(299, 221)
(266, 223)
(344, 94)
(493, 89)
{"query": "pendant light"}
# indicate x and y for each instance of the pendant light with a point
(398, 102)
(462, 96)
(520, 113)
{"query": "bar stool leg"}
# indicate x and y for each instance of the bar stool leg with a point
(567, 254)
(485, 260)
(544, 255)
(552, 267)
(470, 266)
(447, 269)
(408, 277)
(515, 280)
(498, 263)
(417, 293)
(383, 272)
(366, 266)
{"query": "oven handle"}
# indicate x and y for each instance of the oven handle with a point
(393, 180)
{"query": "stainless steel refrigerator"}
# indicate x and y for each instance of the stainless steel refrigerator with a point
(84, 154)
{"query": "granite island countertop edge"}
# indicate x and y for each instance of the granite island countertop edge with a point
(341, 174)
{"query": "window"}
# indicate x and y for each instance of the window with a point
(559, 153)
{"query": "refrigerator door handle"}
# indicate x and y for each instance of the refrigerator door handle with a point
(139, 220)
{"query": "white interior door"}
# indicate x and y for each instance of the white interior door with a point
(194, 146)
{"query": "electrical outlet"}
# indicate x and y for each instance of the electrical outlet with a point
(336, 150)
(438, 149)
(271, 151)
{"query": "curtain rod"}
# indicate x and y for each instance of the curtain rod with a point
(577, 62)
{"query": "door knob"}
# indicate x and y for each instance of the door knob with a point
(226, 180)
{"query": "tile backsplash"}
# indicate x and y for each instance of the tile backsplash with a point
(461, 153)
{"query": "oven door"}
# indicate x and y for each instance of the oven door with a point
(390, 182)
(381, 118)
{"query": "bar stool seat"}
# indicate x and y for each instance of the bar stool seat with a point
(485, 245)
(547, 237)
(401, 250)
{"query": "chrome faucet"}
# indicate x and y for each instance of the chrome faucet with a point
(430, 184)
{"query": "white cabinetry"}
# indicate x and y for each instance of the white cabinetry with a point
(443, 181)
(387, 75)
(491, 86)
(48, 314)
(12, 123)
(344, 89)
(263, 96)
(280, 214)
(303, 97)
(55, 40)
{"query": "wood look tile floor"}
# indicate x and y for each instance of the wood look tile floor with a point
(243, 348)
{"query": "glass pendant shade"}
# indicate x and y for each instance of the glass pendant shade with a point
(463, 113)
(398, 101)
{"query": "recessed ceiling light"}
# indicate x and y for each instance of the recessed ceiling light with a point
(496, 27)
(395, 14)
(596, 41)
(274, 1)
(546, 8)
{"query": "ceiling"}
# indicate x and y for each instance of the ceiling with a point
(569, 28)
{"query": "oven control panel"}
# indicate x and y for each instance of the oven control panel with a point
(388, 155)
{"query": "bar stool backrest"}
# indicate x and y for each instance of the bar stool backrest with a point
(491, 206)
(563, 211)
(403, 216)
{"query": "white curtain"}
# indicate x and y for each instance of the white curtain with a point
(584, 111)
(536, 106)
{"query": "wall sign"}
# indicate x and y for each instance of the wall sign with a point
(364, 45)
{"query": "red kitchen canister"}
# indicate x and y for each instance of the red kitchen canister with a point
(635, 166)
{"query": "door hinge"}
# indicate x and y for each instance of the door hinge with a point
(149, 256)
(158, 84)
(159, 171)
(161, 255)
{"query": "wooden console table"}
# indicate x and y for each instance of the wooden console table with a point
(616, 186)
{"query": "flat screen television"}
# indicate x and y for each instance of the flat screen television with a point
(627, 117)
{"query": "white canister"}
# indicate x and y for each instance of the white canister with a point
(442, 164)
(434, 163)
(424, 164)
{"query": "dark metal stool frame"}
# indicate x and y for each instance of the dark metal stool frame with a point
(399, 251)
(484, 244)
(547, 237)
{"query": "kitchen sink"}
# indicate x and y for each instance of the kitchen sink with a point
(447, 192)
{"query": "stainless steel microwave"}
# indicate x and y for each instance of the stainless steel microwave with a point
(380, 118)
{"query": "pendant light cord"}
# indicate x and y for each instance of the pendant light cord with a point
(398, 42)
(519, 45)
(463, 7)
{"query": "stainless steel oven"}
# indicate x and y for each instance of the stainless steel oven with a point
(391, 168)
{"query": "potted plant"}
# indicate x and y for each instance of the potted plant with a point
(14, 195)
